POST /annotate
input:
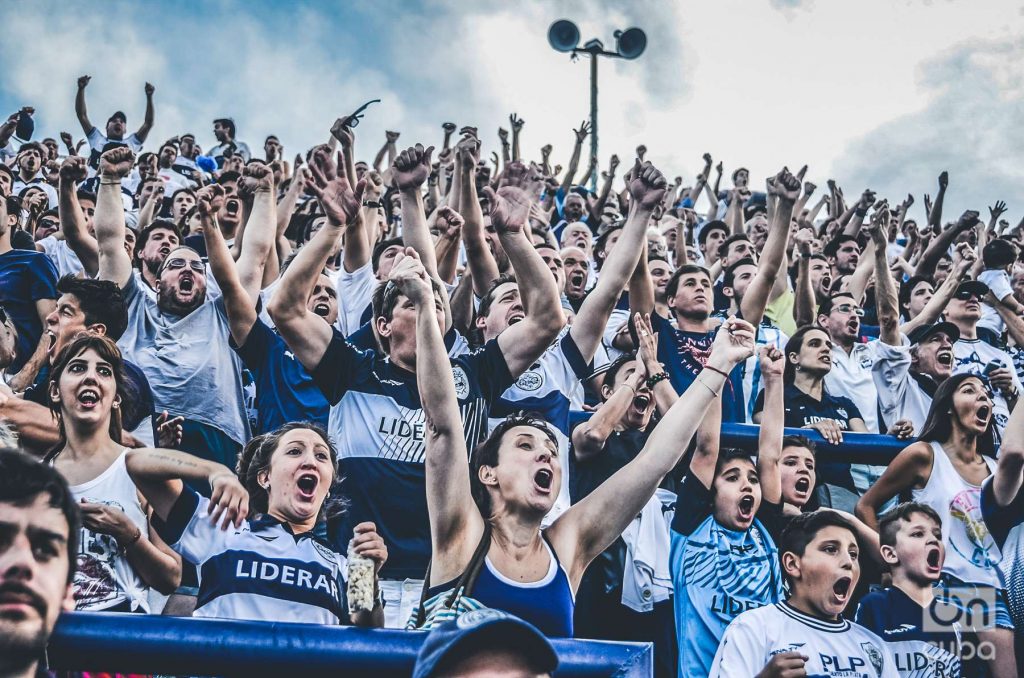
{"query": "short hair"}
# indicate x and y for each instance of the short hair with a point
(143, 237)
(379, 248)
(673, 283)
(999, 253)
(616, 366)
(802, 530)
(601, 244)
(184, 189)
(83, 194)
(800, 441)
(711, 226)
(225, 177)
(729, 454)
(101, 301)
(826, 306)
(729, 278)
(724, 247)
(226, 122)
(907, 288)
(382, 305)
(23, 479)
(33, 146)
(488, 299)
(486, 453)
(832, 246)
(889, 522)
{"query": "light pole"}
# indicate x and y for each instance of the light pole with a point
(564, 36)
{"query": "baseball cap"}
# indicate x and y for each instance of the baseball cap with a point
(484, 629)
(120, 115)
(920, 334)
(973, 287)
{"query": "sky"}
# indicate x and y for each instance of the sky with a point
(873, 93)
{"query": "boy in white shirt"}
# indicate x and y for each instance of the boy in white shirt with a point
(998, 257)
(806, 634)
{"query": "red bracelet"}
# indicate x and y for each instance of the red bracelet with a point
(715, 369)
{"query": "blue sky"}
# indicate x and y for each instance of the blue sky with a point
(880, 93)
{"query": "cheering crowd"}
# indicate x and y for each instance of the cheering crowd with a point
(395, 393)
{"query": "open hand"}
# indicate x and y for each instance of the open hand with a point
(169, 430)
(510, 208)
(582, 131)
(229, 500)
(339, 201)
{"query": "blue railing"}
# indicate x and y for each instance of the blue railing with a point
(135, 643)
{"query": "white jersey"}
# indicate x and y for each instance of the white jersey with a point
(833, 649)
(104, 577)
(899, 394)
(971, 356)
(355, 291)
(62, 256)
(259, 571)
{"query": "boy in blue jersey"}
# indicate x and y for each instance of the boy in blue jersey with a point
(723, 558)
(912, 547)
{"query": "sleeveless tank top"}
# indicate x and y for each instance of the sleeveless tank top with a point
(971, 553)
(104, 577)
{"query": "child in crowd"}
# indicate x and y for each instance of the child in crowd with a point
(906, 614)
(806, 634)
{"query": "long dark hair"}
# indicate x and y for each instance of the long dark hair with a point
(107, 350)
(938, 426)
(795, 345)
(256, 457)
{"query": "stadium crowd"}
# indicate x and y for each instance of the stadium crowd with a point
(399, 392)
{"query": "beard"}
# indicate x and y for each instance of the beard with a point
(168, 302)
(20, 648)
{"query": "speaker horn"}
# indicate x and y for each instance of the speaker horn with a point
(630, 43)
(564, 36)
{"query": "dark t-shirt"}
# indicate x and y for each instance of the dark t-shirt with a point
(26, 276)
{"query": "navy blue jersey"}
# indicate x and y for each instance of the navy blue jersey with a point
(284, 390)
(898, 620)
(684, 355)
(25, 278)
(378, 427)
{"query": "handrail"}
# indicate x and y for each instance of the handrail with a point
(136, 643)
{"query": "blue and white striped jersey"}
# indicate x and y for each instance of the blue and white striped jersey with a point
(259, 571)
(378, 427)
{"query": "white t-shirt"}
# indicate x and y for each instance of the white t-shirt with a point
(62, 256)
(999, 282)
(97, 140)
(355, 290)
(839, 648)
(899, 395)
(51, 193)
(971, 356)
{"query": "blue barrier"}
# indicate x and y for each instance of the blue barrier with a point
(135, 643)
(858, 448)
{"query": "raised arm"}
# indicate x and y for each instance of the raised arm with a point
(867, 199)
(261, 227)
(935, 213)
(241, 308)
(80, 111)
(804, 305)
(641, 287)
(525, 341)
(147, 122)
(606, 189)
(1008, 477)
(647, 187)
(773, 420)
(72, 221)
(940, 244)
(574, 162)
(587, 528)
(159, 473)
(517, 128)
(589, 438)
(785, 188)
(455, 521)
(307, 334)
(886, 297)
(481, 262)
(108, 222)
(409, 172)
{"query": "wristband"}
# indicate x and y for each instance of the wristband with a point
(715, 369)
(371, 203)
(115, 182)
(860, 212)
(655, 378)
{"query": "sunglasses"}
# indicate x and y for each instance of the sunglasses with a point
(49, 223)
(966, 295)
(194, 264)
(850, 308)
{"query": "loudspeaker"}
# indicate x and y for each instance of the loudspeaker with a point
(564, 36)
(630, 43)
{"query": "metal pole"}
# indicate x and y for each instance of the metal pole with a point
(593, 117)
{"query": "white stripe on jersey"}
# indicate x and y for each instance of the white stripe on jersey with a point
(833, 648)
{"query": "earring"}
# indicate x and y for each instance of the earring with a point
(117, 403)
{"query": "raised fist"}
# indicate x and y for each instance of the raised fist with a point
(149, 89)
(448, 127)
(503, 135)
(545, 151)
(73, 169)
(412, 167)
(784, 186)
(944, 179)
(647, 185)
(210, 200)
(117, 162)
(257, 177)
(468, 152)
(641, 151)
(392, 137)
(83, 81)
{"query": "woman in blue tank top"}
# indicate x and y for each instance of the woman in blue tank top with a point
(498, 501)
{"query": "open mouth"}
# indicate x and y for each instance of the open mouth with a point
(321, 309)
(88, 397)
(826, 282)
(543, 478)
(231, 206)
(945, 358)
(514, 318)
(577, 279)
(747, 506)
(803, 485)
(307, 484)
(853, 325)
(983, 413)
(933, 559)
(53, 341)
(842, 587)
(641, 402)
(187, 285)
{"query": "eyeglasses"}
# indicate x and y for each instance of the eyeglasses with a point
(966, 295)
(850, 308)
(195, 264)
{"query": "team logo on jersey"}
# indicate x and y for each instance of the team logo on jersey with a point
(841, 411)
(874, 656)
(461, 382)
(530, 381)
(327, 553)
